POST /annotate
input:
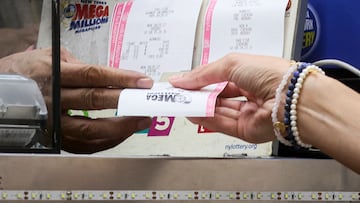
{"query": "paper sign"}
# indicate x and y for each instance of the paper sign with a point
(153, 36)
(247, 26)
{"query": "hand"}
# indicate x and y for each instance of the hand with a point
(83, 87)
(256, 78)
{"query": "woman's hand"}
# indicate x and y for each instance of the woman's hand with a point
(250, 76)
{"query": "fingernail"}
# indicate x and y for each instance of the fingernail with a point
(144, 123)
(144, 83)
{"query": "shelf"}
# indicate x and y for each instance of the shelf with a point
(59, 172)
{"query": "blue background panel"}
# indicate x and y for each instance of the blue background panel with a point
(332, 30)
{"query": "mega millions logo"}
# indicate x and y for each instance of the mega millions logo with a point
(85, 16)
(172, 97)
(311, 32)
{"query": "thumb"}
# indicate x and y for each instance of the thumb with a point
(215, 72)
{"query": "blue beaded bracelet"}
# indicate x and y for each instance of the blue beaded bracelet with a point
(288, 101)
(292, 95)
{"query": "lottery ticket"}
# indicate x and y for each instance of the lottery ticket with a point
(165, 100)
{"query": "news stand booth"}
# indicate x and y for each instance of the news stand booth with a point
(158, 168)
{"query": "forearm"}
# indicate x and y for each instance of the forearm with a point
(329, 119)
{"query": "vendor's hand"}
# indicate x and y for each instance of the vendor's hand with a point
(256, 78)
(83, 87)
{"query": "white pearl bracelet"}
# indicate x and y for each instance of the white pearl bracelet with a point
(279, 127)
(293, 108)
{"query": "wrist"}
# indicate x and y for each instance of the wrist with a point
(299, 73)
(319, 111)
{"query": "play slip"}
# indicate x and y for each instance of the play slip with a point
(165, 100)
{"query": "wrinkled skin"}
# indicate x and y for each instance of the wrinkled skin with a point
(83, 87)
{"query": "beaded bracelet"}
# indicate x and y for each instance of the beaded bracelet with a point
(293, 94)
(279, 127)
(289, 104)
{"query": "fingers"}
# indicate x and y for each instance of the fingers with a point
(85, 75)
(228, 113)
(219, 123)
(252, 73)
(232, 90)
(89, 98)
(242, 119)
(84, 135)
(236, 127)
(66, 56)
(201, 76)
(230, 108)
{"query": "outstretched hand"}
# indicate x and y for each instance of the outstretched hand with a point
(83, 87)
(250, 76)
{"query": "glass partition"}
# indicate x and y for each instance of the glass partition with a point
(29, 80)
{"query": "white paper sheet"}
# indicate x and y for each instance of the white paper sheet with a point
(248, 26)
(153, 36)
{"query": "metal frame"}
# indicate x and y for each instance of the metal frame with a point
(68, 172)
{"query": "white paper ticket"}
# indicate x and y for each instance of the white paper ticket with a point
(165, 100)
(150, 36)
